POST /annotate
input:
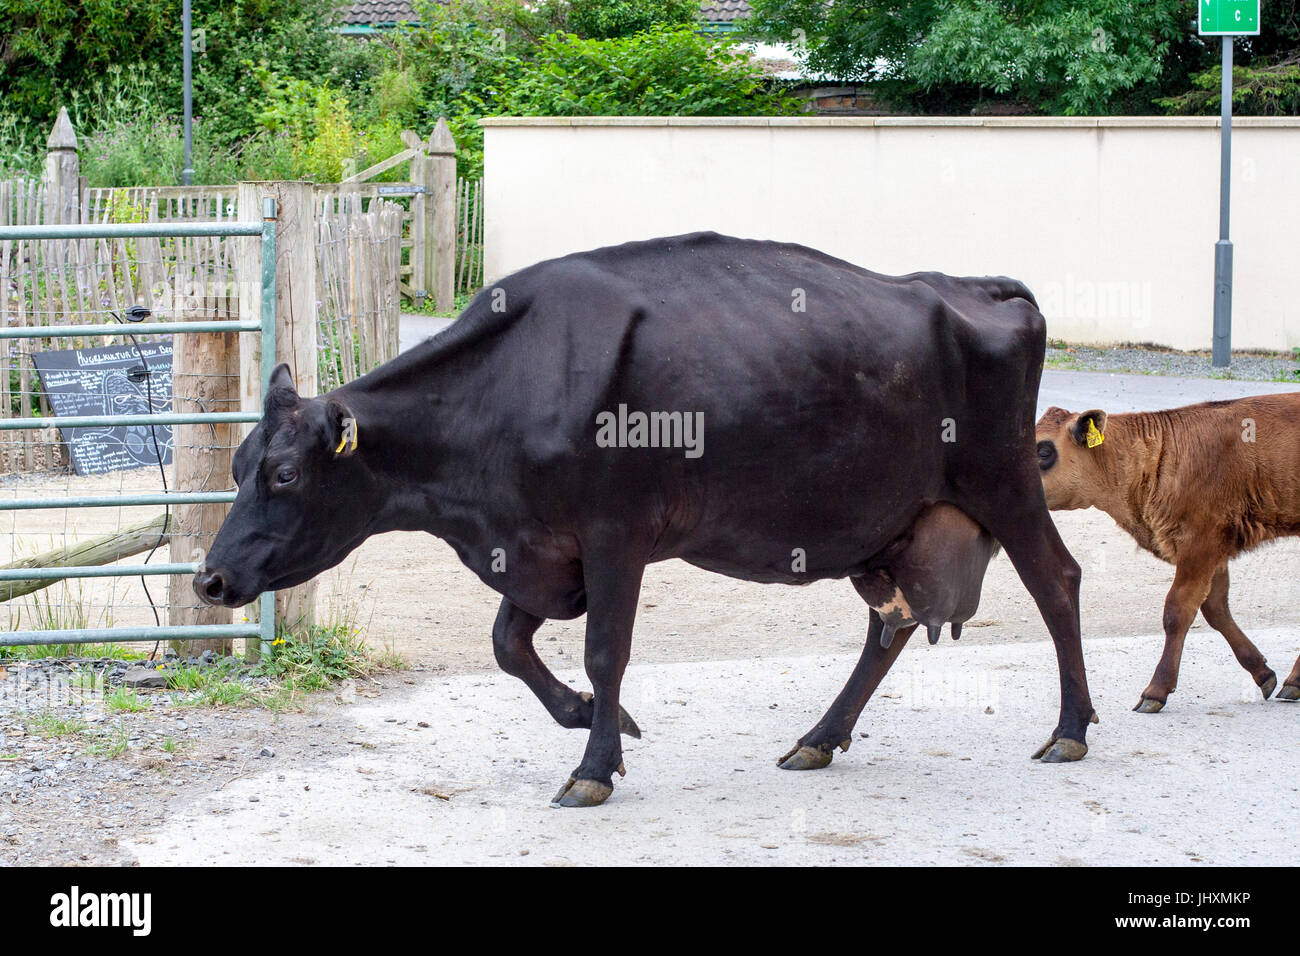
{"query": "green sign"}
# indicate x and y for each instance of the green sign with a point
(1219, 17)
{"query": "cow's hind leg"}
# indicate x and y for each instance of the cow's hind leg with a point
(512, 642)
(816, 748)
(1023, 527)
(1248, 655)
(1191, 589)
(613, 584)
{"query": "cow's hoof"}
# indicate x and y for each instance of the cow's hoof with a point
(1149, 705)
(626, 725)
(582, 793)
(1289, 692)
(1268, 686)
(806, 758)
(1061, 750)
(1094, 719)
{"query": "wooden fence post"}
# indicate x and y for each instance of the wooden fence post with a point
(205, 378)
(62, 173)
(295, 332)
(420, 206)
(442, 209)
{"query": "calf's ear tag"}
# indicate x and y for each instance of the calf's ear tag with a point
(1093, 437)
(349, 435)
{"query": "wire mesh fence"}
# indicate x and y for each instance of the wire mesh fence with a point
(117, 436)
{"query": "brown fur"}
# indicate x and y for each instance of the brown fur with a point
(1191, 489)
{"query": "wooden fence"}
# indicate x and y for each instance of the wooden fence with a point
(357, 316)
(469, 234)
(89, 281)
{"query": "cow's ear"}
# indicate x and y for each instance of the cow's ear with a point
(1089, 429)
(341, 428)
(280, 378)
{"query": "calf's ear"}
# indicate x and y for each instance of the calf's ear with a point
(341, 429)
(1089, 429)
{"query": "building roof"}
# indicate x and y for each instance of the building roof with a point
(724, 11)
(383, 13)
(374, 13)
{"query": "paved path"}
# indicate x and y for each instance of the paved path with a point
(1080, 391)
(944, 777)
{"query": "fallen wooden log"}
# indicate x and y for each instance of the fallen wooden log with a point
(105, 549)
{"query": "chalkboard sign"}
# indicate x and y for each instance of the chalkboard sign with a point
(98, 382)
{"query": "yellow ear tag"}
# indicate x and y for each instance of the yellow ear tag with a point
(1093, 438)
(349, 435)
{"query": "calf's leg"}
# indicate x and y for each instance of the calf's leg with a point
(613, 584)
(512, 642)
(1217, 615)
(1191, 589)
(816, 748)
(1291, 687)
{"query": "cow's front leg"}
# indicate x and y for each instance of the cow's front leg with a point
(512, 642)
(613, 585)
(816, 748)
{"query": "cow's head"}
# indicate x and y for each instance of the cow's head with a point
(301, 503)
(1069, 456)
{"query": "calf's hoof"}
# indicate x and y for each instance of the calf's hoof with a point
(809, 758)
(1269, 685)
(626, 725)
(582, 793)
(1289, 692)
(1061, 750)
(1149, 705)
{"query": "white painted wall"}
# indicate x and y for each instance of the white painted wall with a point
(1110, 221)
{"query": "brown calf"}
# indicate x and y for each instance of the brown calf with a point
(1196, 486)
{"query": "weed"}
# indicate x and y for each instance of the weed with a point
(125, 699)
(112, 744)
(52, 725)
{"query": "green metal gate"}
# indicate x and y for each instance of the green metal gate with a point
(265, 628)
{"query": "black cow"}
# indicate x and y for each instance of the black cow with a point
(758, 409)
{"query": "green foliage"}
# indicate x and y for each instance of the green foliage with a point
(1061, 56)
(1266, 90)
(608, 19)
(112, 742)
(325, 656)
(661, 72)
(125, 699)
(52, 725)
(475, 58)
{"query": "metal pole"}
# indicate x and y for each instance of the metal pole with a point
(266, 604)
(1222, 353)
(187, 174)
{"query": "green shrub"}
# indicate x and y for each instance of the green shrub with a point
(607, 19)
(660, 72)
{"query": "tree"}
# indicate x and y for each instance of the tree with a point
(1061, 56)
(52, 53)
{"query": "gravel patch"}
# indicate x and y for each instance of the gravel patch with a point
(1253, 366)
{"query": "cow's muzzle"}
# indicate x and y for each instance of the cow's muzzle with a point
(211, 587)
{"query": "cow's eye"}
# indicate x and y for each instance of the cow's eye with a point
(1046, 454)
(285, 475)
